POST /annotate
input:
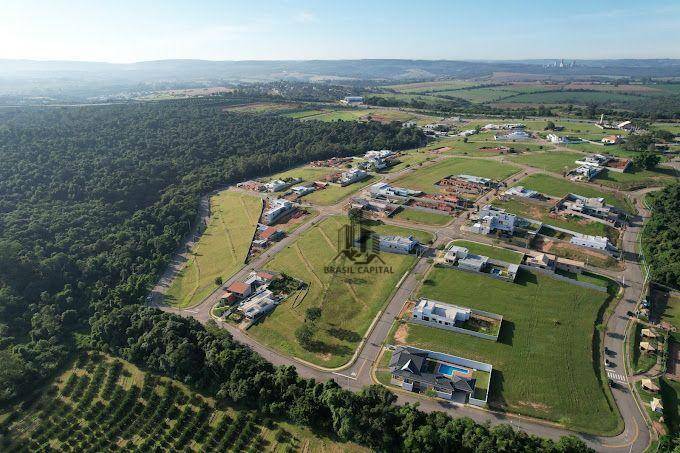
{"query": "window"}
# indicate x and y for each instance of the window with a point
(426, 318)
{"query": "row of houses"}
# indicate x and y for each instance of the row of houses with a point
(252, 294)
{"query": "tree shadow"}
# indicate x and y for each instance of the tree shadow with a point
(496, 400)
(344, 334)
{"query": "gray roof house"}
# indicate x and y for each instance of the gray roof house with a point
(419, 370)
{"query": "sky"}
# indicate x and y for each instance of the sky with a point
(126, 31)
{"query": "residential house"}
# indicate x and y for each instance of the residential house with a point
(352, 100)
(277, 209)
(612, 139)
(302, 190)
(271, 234)
(381, 154)
(648, 333)
(258, 305)
(418, 370)
(647, 347)
(382, 189)
(514, 135)
(648, 385)
(626, 126)
(567, 265)
(440, 314)
(557, 139)
(352, 176)
(397, 244)
(656, 405)
(276, 185)
(240, 289)
(593, 206)
(491, 219)
(520, 191)
(593, 242)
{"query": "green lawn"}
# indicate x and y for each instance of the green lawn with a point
(541, 213)
(492, 252)
(335, 115)
(424, 217)
(558, 187)
(425, 178)
(554, 161)
(304, 113)
(221, 250)
(348, 302)
(334, 193)
(587, 277)
(425, 87)
(615, 150)
(636, 178)
(670, 398)
(409, 159)
(543, 359)
(473, 147)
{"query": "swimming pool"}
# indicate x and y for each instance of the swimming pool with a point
(450, 369)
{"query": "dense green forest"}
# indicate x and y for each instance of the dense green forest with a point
(94, 202)
(662, 236)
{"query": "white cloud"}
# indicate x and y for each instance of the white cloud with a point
(305, 17)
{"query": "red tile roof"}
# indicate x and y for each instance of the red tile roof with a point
(269, 232)
(265, 275)
(239, 288)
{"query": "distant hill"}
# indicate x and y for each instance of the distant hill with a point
(48, 78)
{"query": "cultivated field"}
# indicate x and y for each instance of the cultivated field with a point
(425, 178)
(425, 87)
(106, 404)
(221, 250)
(543, 360)
(348, 302)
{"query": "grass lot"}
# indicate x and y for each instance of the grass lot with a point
(492, 252)
(541, 213)
(221, 250)
(348, 303)
(424, 217)
(669, 306)
(554, 161)
(558, 187)
(591, 257)
(636, 178)
(570, 127)
(474, 147)
(409, 159)
(614, 150)
(481, 95)
(334, 193)
(308, 174)
(543, 360)
(424, 179)
(587, 277)
(145, 412)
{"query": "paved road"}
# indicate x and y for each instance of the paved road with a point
(635, 436)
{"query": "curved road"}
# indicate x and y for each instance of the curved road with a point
(636, 434)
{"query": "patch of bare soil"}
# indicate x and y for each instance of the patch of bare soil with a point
(401, 334)
(535, 406)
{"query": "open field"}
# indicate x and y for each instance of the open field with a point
(492, 252)
(553, 161)
(424, 217)
(425, 178)
(348, 303)
(571, 97)
(308, 174)
(557, 187)
(474, 146)
(335, 115)
(614, 150)
(261, 107)
(305, 113)
(538, 212)
(334, 193)
(425, 87)
(411, 158)
(543, 360)
(480, 95)
(105, 404)
(221, 250)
